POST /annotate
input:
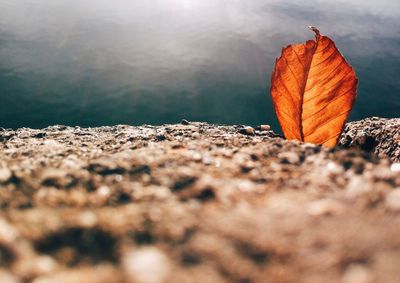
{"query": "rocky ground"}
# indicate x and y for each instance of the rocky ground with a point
(194, 202)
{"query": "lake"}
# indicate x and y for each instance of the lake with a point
(101, 62)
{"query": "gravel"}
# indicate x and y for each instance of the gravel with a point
(194, 202)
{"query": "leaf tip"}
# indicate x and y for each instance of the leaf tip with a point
(314, 29)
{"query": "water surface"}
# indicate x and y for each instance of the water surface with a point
(101, 62)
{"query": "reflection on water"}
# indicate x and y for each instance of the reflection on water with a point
(101, 62)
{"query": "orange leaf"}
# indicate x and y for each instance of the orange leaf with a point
(313, 89)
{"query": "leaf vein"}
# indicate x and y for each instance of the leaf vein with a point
(329, 103)
(328, 77)
(328, 121)
(330, 89)
(290, 69)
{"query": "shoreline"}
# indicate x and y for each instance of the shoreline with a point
(199, 203)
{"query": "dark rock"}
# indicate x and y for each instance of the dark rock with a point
(39, 135)
(161, 137)
(378, 135)
(185, 122)
(183, 182)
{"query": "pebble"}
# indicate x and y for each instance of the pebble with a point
(334, 168)
(185, 122)
(247, 131)
(87, 219)
(207, 160)
(265, 127)
(393, 200)
(196, 135)
(357, 273)
(8, 233)
(196, 156)
(146, 265)
(5, 175)
(45, 264)
(104, 191)
(161, 137)
(395, 167)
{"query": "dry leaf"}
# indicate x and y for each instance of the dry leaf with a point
(313, 89)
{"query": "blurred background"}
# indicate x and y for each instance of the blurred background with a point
(101, 62)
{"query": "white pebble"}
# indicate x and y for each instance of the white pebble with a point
(395, 167)
(104, 191)
(88, 219)
(357, 274)
(5, 175)
(8, 233)
(334, 168)
(45, 264)
(146, 265)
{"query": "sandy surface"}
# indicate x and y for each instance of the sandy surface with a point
(194, 202)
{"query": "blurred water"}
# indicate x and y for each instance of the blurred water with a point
(101, 62)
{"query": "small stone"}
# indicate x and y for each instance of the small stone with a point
(265, 127)
(207, 160)
(357, 273)
(185, 122)
(393, 200)
(5, 175)
(395, 167)
(45, 264)
(118, 178)
(146, 265)
(247, 131)
(8, 233)
(39, 135)
(161, 137)
(104, 191)
(87, 219)
(196, 156)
